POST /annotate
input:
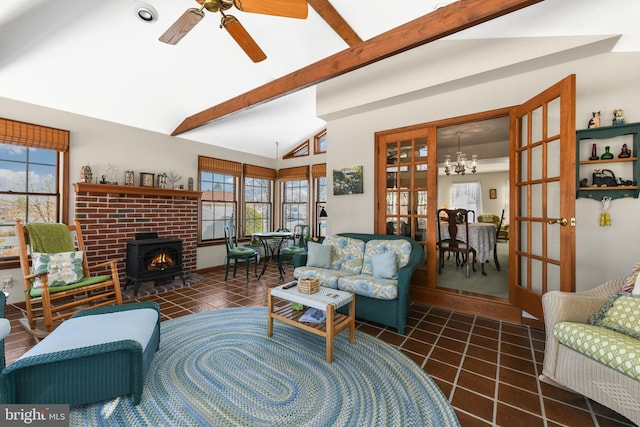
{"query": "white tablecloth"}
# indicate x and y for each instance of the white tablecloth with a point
(482, 237)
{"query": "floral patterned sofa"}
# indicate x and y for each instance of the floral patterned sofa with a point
(377, 268)
(593, 344)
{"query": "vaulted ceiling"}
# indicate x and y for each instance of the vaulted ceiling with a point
(97, 59)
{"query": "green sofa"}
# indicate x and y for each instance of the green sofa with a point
(380, 300)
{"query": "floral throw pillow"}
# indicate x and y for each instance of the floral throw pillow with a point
(64, 268)
(630, 281)
(620, 313)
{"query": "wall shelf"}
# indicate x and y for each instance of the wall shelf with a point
(626, 167)
(133, 189)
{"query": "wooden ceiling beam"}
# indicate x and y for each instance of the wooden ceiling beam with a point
(335, 21)
(433, 26)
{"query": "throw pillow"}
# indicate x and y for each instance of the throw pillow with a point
(620, 313)
(630, 281)
(385, 265)
(64, 268)
(318, 255)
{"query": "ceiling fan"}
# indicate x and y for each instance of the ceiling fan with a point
(189, 19)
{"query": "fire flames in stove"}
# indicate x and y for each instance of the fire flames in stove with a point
(162, 260)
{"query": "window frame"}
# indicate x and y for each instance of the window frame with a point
(248, 204)
(317, 140)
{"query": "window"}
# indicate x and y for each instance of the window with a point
(33, 164)
(300, 151)
(258, 199)
(320, 142)
(295, 196)
(467, 195)
(219, 202)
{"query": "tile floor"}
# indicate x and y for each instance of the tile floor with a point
(488, 369)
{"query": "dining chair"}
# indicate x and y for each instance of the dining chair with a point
(58, 280)
(238, 254)
(454, 244)
(301, 236)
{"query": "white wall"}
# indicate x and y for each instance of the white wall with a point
(101, 144)
(604, 82)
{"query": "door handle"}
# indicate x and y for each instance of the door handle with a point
(561, 221)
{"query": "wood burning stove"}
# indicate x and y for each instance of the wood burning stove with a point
(150, 258)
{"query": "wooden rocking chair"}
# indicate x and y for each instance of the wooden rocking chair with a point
(59, 282)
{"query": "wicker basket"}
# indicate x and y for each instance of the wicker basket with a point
(308, 286)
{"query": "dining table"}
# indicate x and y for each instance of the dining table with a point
(482, 238)
(271, 243)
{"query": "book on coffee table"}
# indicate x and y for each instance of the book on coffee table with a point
(313, 315)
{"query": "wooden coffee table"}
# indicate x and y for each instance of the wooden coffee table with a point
(325, 299)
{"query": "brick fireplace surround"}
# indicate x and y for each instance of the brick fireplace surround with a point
(111, 215)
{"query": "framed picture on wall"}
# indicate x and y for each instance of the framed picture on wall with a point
(347, 181)
(493, 194)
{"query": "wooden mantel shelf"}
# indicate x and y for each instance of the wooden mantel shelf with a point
(133, 189)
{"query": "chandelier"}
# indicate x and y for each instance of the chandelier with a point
(461, 164)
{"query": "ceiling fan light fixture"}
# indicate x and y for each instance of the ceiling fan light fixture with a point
(145, 12)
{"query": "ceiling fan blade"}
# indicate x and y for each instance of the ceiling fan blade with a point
(182, 26)
(242, 37)
(286, 8)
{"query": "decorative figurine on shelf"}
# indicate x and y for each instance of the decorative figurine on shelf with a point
(595, 120)
(605, 218)
(85, 174)
(162, 180)
(618, 117)
(625, 153)
(607, 154)
(190, 184)
(594, 153)
(128, 178)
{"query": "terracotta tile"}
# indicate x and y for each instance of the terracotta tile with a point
(484, 342)
(516, 350)
(441, 370)
(387, 336)
(446, 356)
(519, 398)
(446, 387)
(473, 404)
(485, 332)
(451, 344)
(480, 367)
(476, 383)
(455, 333)
(416, 346)
(517, 363)
(424, 336)
(482, 353)
(417, 358)
(566, 414)
(518, 379)
(461, 326)
(509, 416)
(467, 420)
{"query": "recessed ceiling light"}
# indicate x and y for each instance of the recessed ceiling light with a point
(145, 12)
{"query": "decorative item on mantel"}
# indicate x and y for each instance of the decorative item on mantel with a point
(618, 117)
(190, 184)
(146, 179)
(129, 178)
(162, 180)
(173, 178)
(85, 174)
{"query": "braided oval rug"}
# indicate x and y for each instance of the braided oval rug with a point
(219, 368)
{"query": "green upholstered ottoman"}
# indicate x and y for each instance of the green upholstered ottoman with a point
(98, 354)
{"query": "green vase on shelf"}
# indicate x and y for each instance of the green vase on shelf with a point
(607, 154)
